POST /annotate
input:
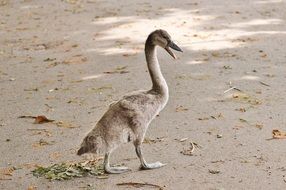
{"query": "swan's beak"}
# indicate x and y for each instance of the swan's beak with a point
(173, 46)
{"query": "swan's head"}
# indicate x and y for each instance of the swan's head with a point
(163, 39)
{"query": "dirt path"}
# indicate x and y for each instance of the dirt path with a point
(68, 59)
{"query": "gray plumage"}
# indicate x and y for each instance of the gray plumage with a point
(128, 119)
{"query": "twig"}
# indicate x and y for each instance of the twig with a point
(138, 185)
(189, 152)
(264, 83)
(232, 88)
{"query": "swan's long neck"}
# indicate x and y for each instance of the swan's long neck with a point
(159, 83)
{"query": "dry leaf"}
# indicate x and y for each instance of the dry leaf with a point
(32, 187)
(277, 134)
(7, 171)
(259, 126)
(38, 119)
(263, 55)
(42, 119)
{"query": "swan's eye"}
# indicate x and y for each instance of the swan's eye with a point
(164, 36)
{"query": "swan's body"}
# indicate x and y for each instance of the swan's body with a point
(128, 119)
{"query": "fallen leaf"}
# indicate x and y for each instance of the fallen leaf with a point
(32, 187)
(139, 185)
(259, 126)
(38, 119)
(263, 55)
(7, 171)
(277, 134)
(66, 171)
(42, 119)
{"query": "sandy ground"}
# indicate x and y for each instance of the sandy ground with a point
(54, 58)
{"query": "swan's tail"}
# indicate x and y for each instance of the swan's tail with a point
(92, 144)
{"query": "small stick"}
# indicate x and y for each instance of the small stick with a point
(263, 83)
(139, 185)
(193, 147)
(232, 88)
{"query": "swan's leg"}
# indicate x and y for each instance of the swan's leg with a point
(113, 170)
(144, 164)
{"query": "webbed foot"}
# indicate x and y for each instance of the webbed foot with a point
(116, 170)
(150, 166)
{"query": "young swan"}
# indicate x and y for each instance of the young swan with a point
(128, 119)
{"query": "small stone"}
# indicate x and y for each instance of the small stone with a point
(218, 136)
